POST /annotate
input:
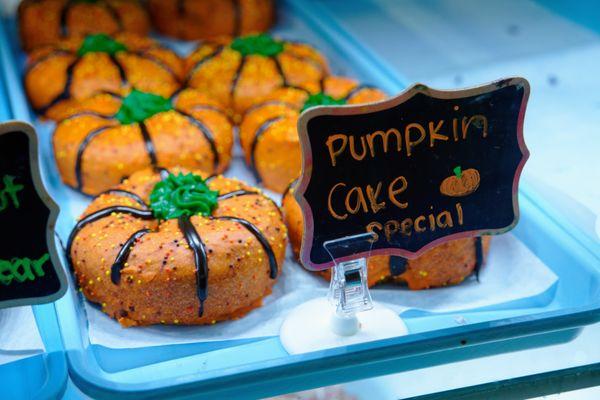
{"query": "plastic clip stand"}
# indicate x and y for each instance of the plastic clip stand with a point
(348, 315)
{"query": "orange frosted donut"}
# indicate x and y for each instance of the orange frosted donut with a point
(44, 22)
(209, 19)
(446, 264)
(250, 67)
(173, 248)
(107, 137)
(268, 132)
(75, 69)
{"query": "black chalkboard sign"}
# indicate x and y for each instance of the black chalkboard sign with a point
(29, 270)
(415, 171)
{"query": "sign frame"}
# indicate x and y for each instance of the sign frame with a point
(10, 127)
(406, 95)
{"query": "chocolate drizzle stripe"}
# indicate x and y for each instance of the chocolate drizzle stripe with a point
(207, 135)
(82, 146)
(53, 53)
(66, 93)
(261, 238)
(242, 192)
(397, 265)
(478, 256)
(236, 78)
(163, 172)
(235, 193)
(88, 114)
(115, 14)
(112, 94)
(237, 17)
(176, 93)
(280, 70)
(298, 88)
(159, 62)
(203, 60)
(357, 89)
(287, 189)
(202, 107)
(271, 103)
(150, 149)
(259, 132)
(64, 31)
(120, 68)
(121, 259)
(97, 215)
(307, 60)
(125, 193)
(200, 259)
(206, 107)
(180, 7)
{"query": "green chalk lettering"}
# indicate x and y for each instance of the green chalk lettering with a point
(39, 263)
(22, 269)
(9, 192)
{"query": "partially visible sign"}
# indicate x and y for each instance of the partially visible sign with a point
(420, 169)
(29, 269)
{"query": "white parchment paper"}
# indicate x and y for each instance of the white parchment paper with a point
(511, 272)
(19, 335)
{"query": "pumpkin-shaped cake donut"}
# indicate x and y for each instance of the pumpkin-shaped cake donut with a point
(107, 137)
(75, 69)
(269, 135)
(173, 248)
(209, 19)
(447, 264)
(44, 22)
(251, 67)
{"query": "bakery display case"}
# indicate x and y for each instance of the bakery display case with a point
(180, 277)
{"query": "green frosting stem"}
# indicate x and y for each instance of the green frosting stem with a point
(100, 43)
(322, 99)
(262, 44)
(139, 106)
(179, 195)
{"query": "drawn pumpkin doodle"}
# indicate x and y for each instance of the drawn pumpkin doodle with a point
(462, 183)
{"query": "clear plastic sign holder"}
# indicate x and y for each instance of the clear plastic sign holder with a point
(348, 289)
(347, 315)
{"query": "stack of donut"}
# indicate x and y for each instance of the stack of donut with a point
(167, 239)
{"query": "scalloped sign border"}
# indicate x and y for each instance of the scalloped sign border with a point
(30, 239)
(460, 154)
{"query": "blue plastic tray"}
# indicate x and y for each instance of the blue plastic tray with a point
(260, 367)
(42, 376)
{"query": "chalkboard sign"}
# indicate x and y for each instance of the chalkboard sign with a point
(414, 171)
(29, 268)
